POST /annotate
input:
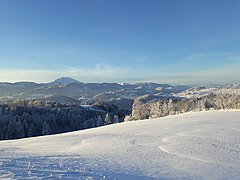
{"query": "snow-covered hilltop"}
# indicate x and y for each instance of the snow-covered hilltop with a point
(64, 81)
(195, 92)
(201, 145)
(148, 107)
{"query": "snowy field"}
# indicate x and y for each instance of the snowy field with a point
(201, 145)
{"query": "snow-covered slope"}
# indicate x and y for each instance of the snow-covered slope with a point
(201, 145)
(204, 91)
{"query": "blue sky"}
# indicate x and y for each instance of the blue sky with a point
(165, 41)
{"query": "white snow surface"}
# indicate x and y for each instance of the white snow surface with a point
(200, 92)
(199, 145)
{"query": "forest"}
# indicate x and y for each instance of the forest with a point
(143, 109)
(29, 118)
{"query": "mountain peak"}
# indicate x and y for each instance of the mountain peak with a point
(65, 81)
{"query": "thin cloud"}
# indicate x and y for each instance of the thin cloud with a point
(104, 73)
(38, 75)
(95, 74)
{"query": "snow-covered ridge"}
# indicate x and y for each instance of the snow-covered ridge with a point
(201, 145)
(77, 90)
(204, 91)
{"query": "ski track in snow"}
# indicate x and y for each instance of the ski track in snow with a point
(203, 145)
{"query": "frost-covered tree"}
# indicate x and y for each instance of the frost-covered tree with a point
(128, 118)
(115, 119)
(164, 107)
(46, 130)
(100, 121)
(15, 129)
(108, 119)
(2, 128)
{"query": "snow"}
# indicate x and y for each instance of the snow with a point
(64, 81)
(195, 145)
(203, 91)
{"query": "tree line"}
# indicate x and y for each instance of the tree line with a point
(163, 107)
(21, 119)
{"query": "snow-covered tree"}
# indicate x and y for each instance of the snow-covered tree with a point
(100, 121)
(15, 129)
(127, 118)
(46, 130)
(108, 119)
(2, 128)
(115, 119)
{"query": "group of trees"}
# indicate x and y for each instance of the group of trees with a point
(164, 107)
(20, 119)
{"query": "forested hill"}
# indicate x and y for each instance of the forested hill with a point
(147, 108)
(20, 119)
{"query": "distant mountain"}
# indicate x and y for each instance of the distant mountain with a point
(64, 81)
(68, 90)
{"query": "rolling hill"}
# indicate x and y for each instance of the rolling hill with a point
(200, 145)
